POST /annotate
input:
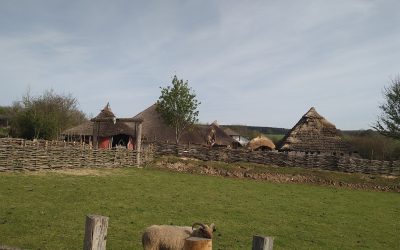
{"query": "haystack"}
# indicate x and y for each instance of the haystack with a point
(314, 134)
(261, 143)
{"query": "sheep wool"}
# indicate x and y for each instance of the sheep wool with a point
(165, 237)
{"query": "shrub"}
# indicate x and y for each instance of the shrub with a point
(372, 145)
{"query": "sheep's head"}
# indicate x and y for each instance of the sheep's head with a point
(203, 231)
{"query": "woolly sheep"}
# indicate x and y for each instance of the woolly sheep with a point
(166, 237)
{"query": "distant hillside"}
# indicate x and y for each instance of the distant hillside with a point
(253, 131)
(245, 130)
(360, 132)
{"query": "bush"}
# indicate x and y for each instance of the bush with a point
(374, 146)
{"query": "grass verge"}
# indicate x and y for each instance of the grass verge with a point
(47, 210)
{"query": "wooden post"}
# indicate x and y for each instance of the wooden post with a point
(95, 134)
(138, 143)
(196, 243)
(95, 232)
(262, 243)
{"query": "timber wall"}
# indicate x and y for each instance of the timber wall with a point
(19, 154)
(324, 162)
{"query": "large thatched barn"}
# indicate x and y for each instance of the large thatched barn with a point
(109, 133)
(155, 129)
(314, 134)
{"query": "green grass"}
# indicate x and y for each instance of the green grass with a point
(47, 211)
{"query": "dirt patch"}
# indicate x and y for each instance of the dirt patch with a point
(248, 173)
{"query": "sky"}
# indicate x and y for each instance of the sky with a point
(260, 63)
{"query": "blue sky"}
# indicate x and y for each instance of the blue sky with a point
(250, 62)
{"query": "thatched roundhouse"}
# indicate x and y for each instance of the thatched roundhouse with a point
(314, 134)
(82, 132)
(261, 143)
(109, 133)
(154, 128)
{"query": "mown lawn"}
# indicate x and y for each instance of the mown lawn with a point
(47, 210)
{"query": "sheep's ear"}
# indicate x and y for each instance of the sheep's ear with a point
(213, 227)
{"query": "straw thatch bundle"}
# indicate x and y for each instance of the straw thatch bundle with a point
(261, 143)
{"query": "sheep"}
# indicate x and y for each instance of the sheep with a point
(166, 237)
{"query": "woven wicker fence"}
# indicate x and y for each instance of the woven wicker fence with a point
(19, 154)
(317, 161)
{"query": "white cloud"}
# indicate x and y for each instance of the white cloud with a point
(250, 62)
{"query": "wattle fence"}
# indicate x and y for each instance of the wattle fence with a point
(291, 159)
(19, 154)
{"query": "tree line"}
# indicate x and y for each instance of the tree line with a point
(41, 117)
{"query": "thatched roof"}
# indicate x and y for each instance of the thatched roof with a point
(104, 129)
(313, 133)
(261, 142)
(85, 129)
(106, 112)
(154, 128)
(221, 138)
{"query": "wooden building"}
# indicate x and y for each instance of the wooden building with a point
(155, 129)
(314, 134)
(106, 130)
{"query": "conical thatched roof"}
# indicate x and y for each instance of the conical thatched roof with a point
(313, 133)
(261, 143)
(154, 128)
(106, 112)
(221, 138)
(104, 128)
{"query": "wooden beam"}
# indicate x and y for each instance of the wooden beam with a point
(138, 143)
(95, 232)
(262, 243)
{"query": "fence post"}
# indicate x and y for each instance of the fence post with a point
(196, 243)
(262, 243)
(95, 232)
(138, 143)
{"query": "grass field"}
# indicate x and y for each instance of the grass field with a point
(47, 210)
